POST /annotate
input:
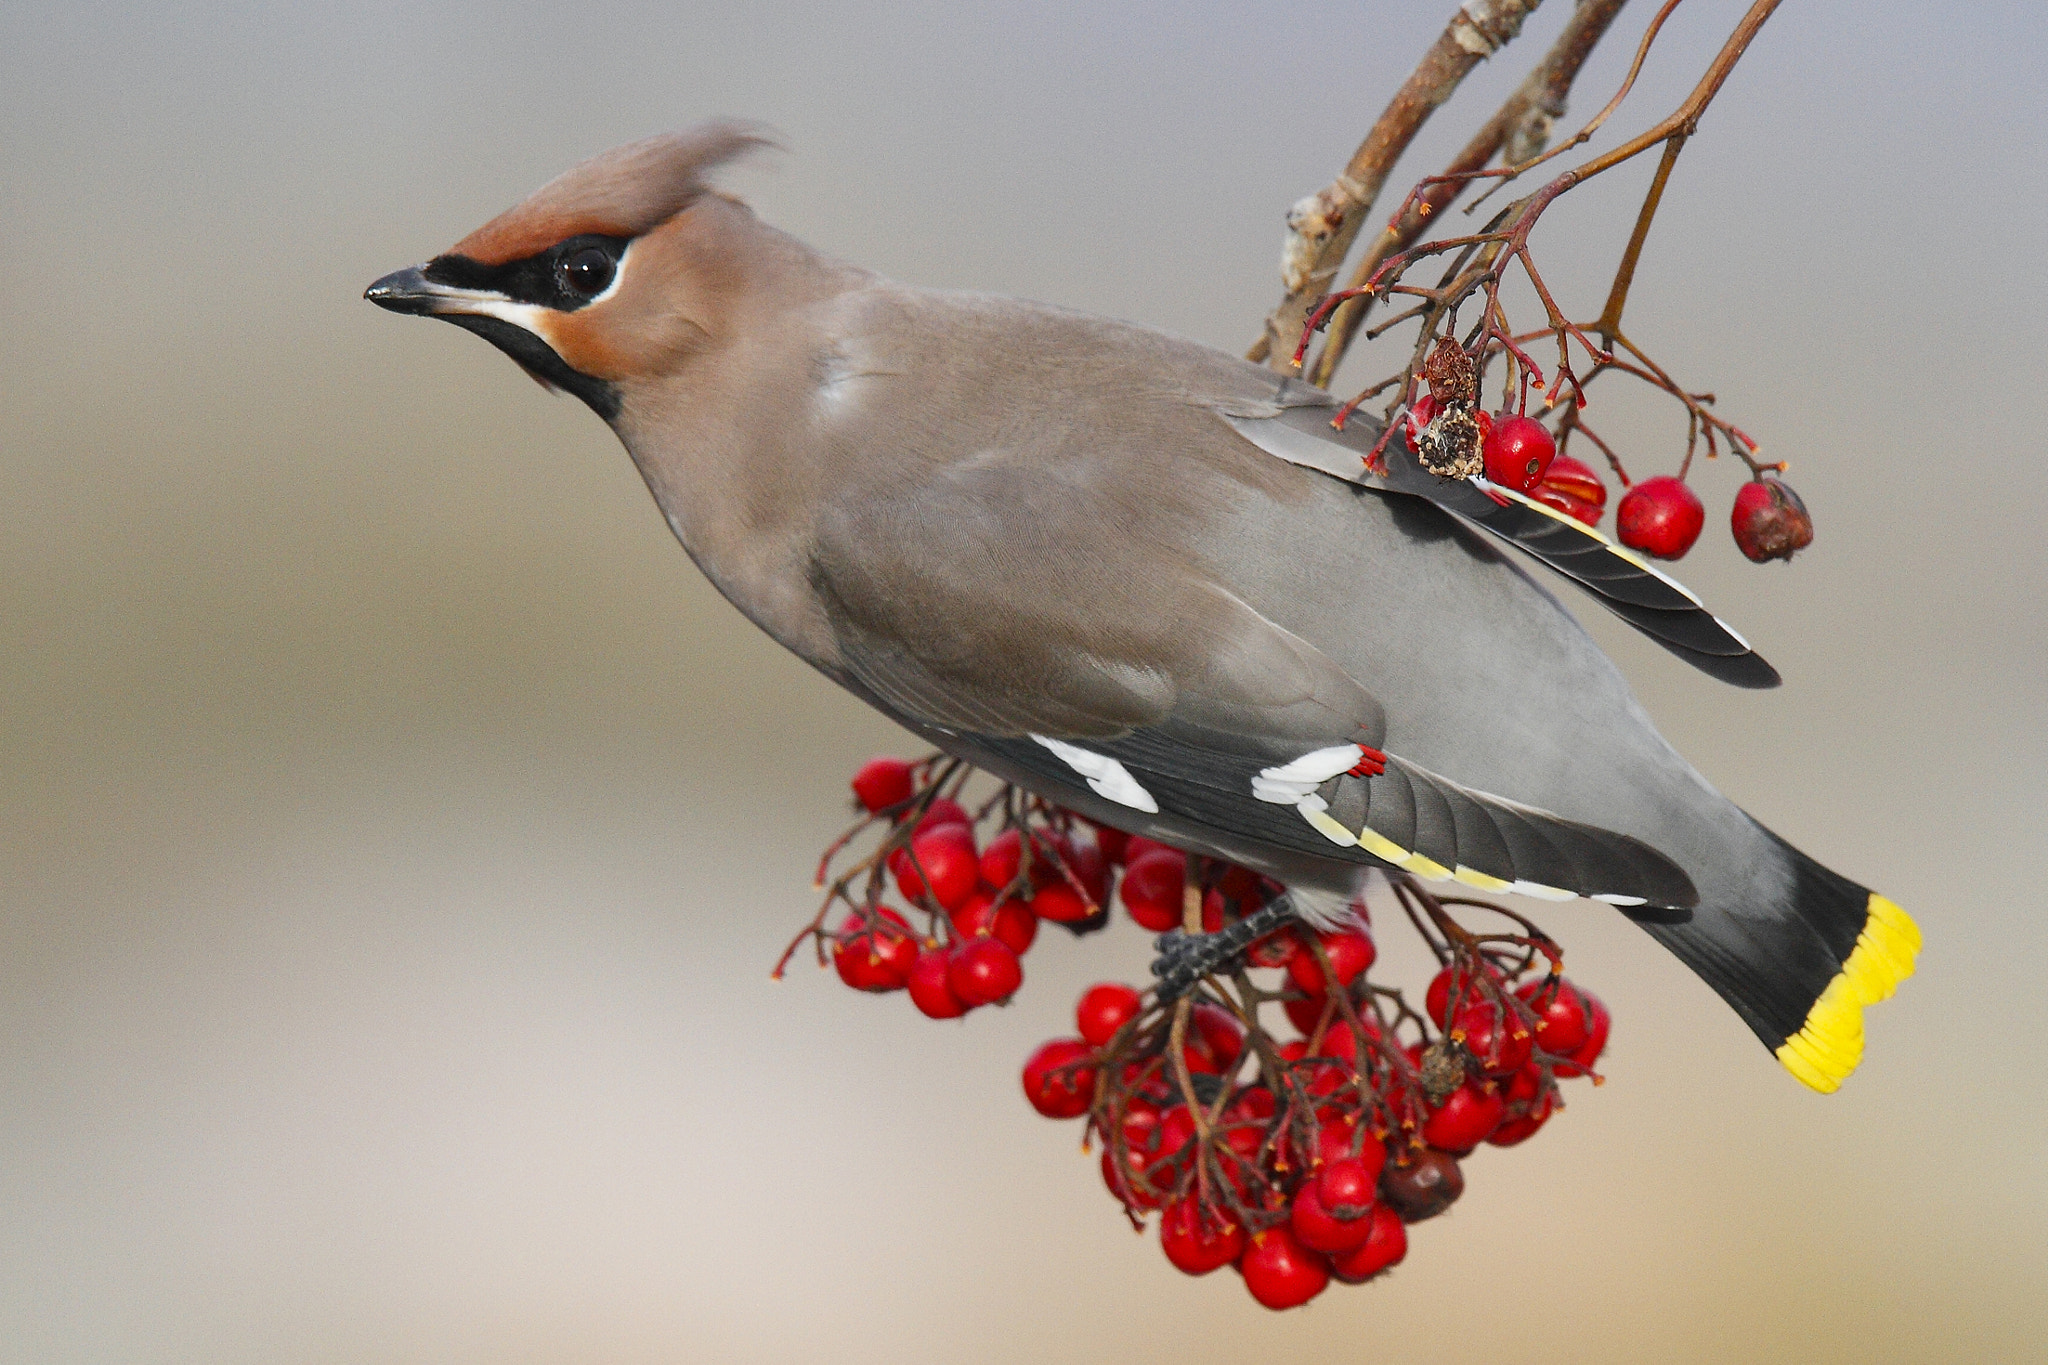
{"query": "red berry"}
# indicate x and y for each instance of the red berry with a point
(1005, 854)
(877, 960)
(1137, 846)
(1661, 517)
(1457, 980)
(1562, 1019)
(1147, 1079)
(1419, 415)
(1464, 1119)
(1197, 1243)
(928, 989)
(945, 811)
(1251, 1105)
(1383, 1247)
(1152, 888)
(1513, 1132)
(1350, 953)
(1596, 1035)
(1176, 1130)
(1238, 1157)
(1011, 921)
(1567, 504)
(1518, 452)
(882, 783)
(1530, 1103)
(1403, 1105)
(1238, 885)
(1348, 1186)
(1140, 1122)
(1588, 1052)
(1090, 869)
(1335, 1141)
(1111, 841)
(1318, 1228)
(1574, 479)
(1423, 1186)
(1104, 1009)
(1057, 1081)
(999, 861)
(1276, 949)
(1769, 520)
(1139, 1183)
(1339, 1041)
(1321, 1078)
(1215, 1039)
(1131, 1187)
(1280, 1272)
(1436, 1001)
(1305, 1014)
(983, 971)
(946, 853)
(1495, 1036)
(1059, 904)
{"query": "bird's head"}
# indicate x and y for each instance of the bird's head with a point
(600, 276)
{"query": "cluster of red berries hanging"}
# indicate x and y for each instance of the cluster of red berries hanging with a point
(1302, 1159)
(981, 905)
(1295, 1152)
(1661, 517)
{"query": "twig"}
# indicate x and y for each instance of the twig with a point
(1525, 118)
(1322, 227)
(1505, 241)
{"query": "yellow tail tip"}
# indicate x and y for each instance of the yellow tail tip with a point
(1830, 1043)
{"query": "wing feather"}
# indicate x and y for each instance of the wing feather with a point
(1621, 580)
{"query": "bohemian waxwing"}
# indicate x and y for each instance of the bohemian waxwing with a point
(1151, 582)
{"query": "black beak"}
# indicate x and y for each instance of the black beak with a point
(405, 291)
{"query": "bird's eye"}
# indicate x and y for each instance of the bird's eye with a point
(588, 272)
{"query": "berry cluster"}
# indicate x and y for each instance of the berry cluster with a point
(981, 905)
(1297, 1152)
(1661, 517)
(1304, 1160)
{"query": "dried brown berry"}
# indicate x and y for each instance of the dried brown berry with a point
(1443, 1070)
(1452, 445)
(1427, 1185)
(1451, 375)
(1770, 521)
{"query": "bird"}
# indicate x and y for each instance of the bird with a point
(1155, 583)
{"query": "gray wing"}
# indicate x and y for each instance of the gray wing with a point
(1092, 650)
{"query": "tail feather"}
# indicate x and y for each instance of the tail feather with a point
(1801, 966)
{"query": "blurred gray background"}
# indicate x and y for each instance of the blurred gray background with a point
(396, 832)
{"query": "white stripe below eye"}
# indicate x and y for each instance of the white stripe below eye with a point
(1105, 776)
(490, 303)
(527, 316)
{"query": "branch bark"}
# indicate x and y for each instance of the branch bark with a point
(1322, 227)
(1522, 125)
